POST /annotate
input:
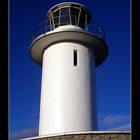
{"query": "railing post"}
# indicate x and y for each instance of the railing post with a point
(100, 32)
(46, 25)
(75, 20)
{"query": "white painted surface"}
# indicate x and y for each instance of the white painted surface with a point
(68, 98)
(67, 28)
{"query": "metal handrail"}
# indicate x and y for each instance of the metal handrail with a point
(94, 28)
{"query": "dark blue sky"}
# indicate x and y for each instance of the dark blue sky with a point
(112, 77)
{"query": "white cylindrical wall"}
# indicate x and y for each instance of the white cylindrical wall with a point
(68, 98)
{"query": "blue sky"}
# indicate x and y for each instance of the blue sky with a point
(112, 77)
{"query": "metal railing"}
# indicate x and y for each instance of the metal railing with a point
(48, 25)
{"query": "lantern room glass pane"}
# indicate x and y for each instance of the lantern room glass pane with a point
(56, 18)
(65, 16)
(74, 15)
(82, 19)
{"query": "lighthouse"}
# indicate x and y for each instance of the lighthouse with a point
(68, 51)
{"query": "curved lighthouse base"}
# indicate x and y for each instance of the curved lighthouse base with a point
(68, 98)
(92, 135)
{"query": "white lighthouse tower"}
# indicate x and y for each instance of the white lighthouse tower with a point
(68, 53)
